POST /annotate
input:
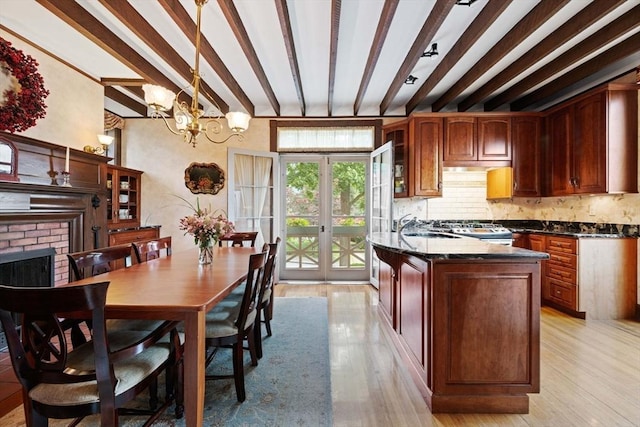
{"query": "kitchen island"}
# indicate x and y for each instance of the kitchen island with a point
(465, 316)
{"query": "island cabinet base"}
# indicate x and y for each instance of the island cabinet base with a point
(469, 331)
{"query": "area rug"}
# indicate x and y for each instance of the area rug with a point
(291, 386)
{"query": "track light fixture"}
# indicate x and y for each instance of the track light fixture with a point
(410, 80)
(432, 52)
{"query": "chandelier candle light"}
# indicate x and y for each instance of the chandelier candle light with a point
(187, 118)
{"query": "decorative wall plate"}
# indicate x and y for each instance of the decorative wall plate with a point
(207, 178)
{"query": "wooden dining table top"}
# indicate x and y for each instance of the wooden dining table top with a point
(177, 287)
(175, 282)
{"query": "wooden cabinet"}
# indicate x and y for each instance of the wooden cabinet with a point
(520, 240)
(468, 330)
(527, 155)
(477, 141)
(417, 156)
(460, 139)
(580, 281)
(413, 303)
(561, 278)
(593, 143)
(398, 134)
(123, 204)
(133, 235)
(425, 152)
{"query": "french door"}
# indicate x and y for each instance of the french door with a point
(324, 221)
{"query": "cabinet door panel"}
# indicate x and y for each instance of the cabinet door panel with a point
(398, 134)
(494, 138)
(426, 152)
(590, 145)
(561, 142)
(411, 309)
(526, 156)
(460, 139)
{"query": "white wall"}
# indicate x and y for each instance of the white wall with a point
(150, 147)
(74, 107)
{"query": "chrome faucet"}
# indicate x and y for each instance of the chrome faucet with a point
(402, 225)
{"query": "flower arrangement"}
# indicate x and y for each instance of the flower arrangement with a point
(22, 90)
(206, 227)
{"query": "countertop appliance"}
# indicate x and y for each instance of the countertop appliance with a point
(489, 232)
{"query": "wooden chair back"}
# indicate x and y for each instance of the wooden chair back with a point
(243, 315)
(152, 249)
(98, 261)
(265, 298)
(51, 372)
(238, 238)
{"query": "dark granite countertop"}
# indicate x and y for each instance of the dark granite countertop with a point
(451, 247)
(574, 229)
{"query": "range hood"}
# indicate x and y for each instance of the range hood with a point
(500, 183)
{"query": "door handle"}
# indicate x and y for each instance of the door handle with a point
(322, 228)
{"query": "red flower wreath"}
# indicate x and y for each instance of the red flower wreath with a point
(22, 90)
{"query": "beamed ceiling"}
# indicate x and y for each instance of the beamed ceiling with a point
(340, 58)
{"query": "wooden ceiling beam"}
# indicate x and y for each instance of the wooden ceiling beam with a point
(118, 81)
(478, 27)
(578, 23)
(523, 29)
(336, 6)
(430, 27)
(122, 99)
(386, 17)
(628, 48)
(287, 35)
(86, 24)
(233, 18)
(606, 35)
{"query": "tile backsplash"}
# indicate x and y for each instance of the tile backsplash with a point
(464, 198)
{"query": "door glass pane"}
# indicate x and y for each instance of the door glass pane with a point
(302, 206)
(348, 210)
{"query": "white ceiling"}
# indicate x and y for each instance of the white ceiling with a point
(267, 79)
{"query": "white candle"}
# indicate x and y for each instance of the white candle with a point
(66, 161)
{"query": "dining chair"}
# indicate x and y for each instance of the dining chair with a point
(238, 238)
(265, 305)
(232, 321)
(152, 249)
(98, 261)
(93, 263)
(61, 381)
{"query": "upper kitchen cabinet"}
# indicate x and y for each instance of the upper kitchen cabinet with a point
(527, 154)
(398, 134)
(477, 141)
(425, 152)
(593, 143)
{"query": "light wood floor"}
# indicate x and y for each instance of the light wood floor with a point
(590, 370)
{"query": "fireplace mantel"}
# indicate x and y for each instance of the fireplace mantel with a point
(38, 198)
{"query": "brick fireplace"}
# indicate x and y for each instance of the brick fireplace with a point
(25, 238)
(37, 213)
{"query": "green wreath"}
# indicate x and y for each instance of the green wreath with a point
(22, 90)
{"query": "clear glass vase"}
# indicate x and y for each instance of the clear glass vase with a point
(205, 255)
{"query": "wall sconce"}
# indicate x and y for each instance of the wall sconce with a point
(432, 52)
(104, 140)
(410, 80)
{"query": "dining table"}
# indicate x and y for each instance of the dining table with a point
(177, 287)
